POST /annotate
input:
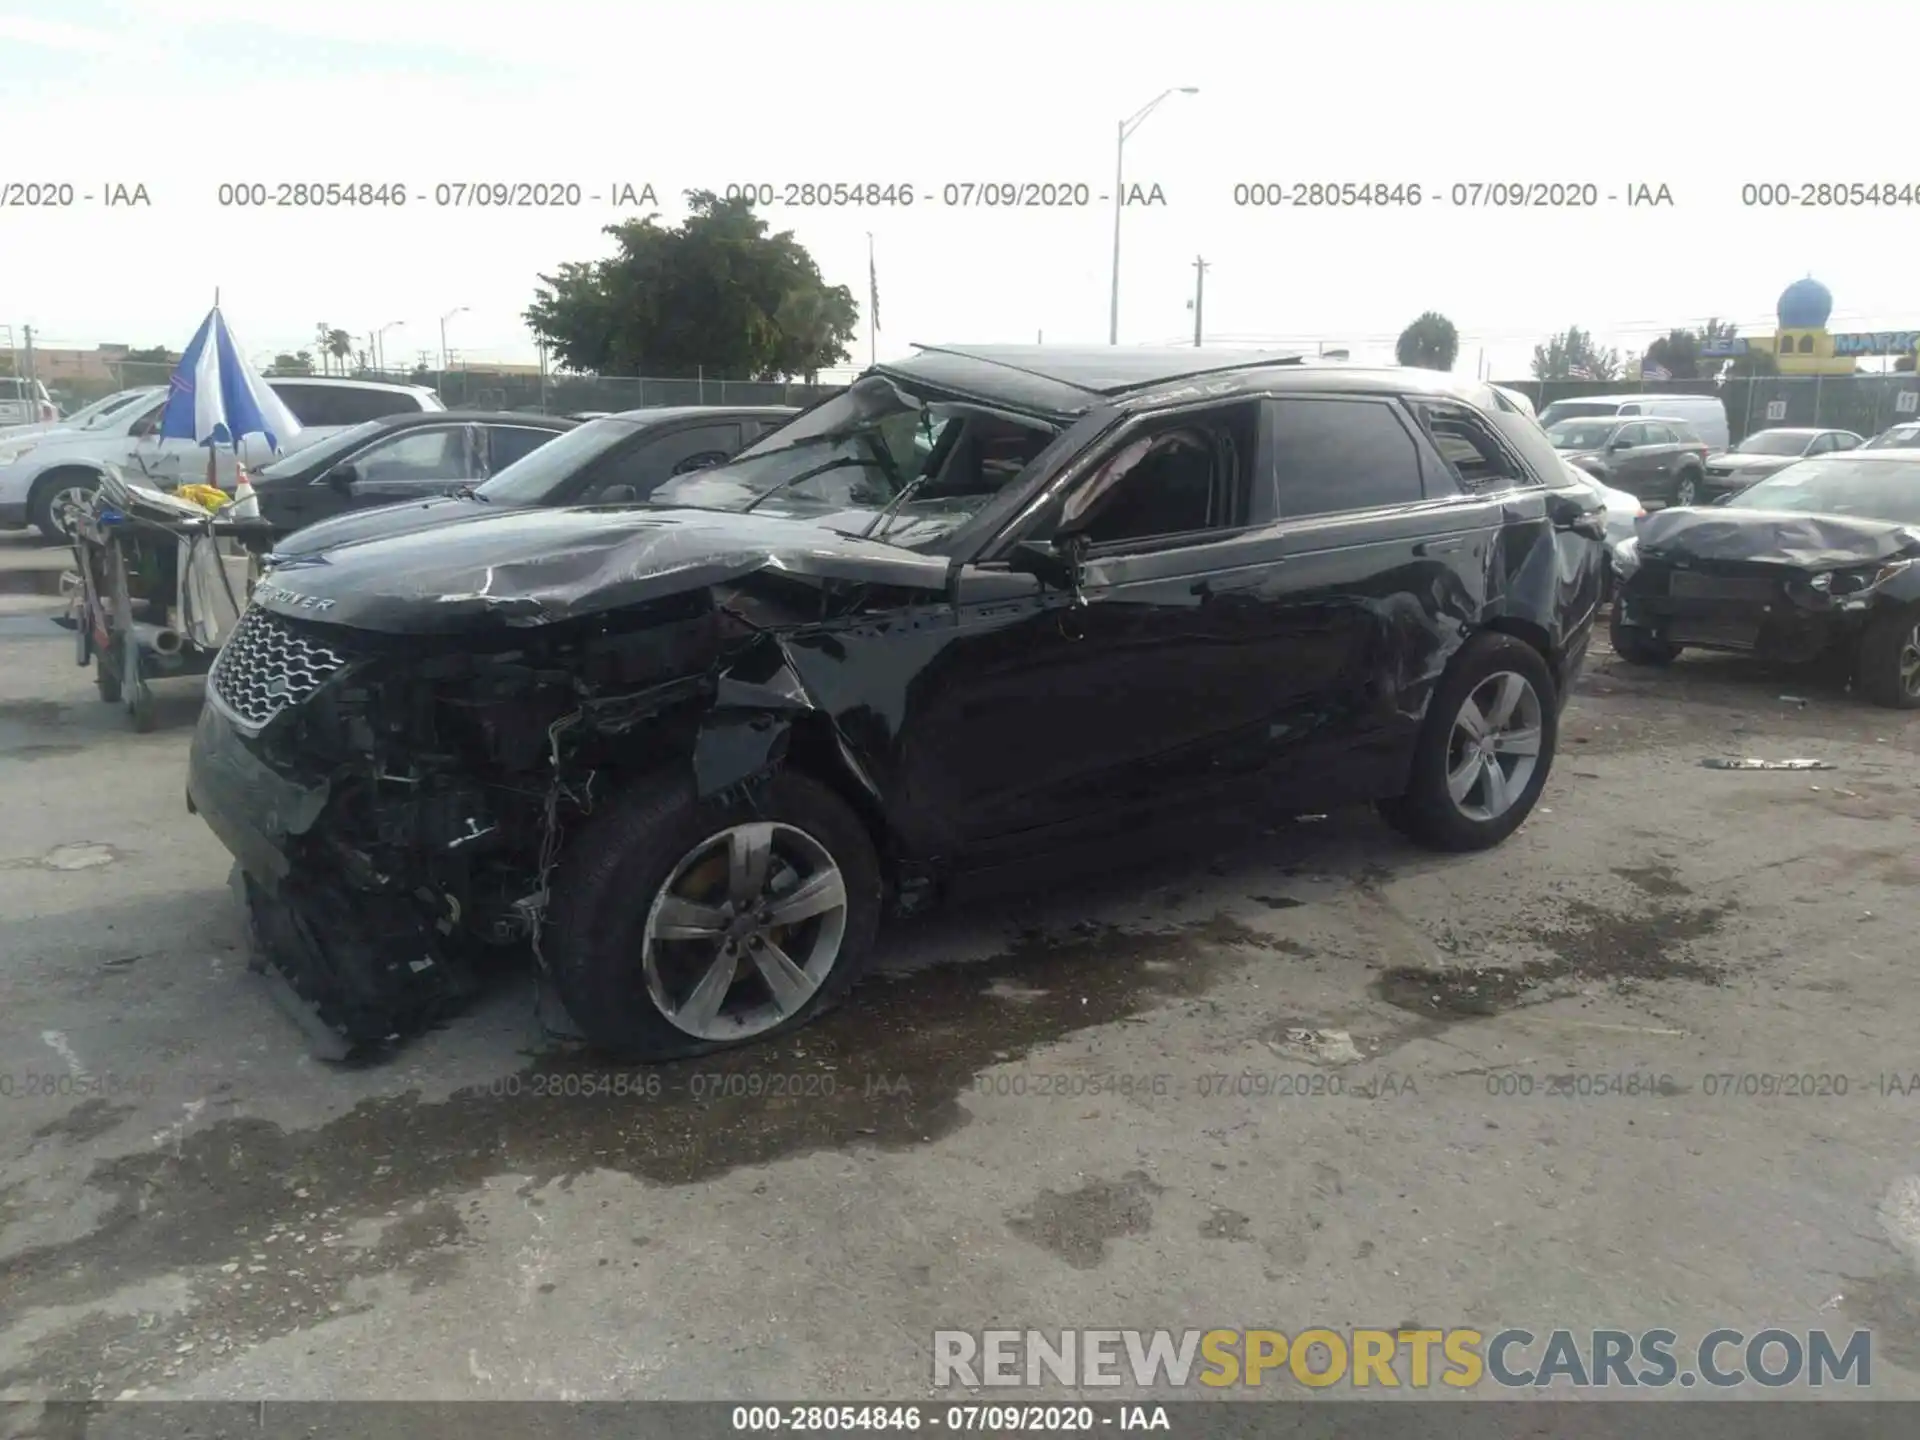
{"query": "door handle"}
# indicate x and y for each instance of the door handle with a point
(1437, 547)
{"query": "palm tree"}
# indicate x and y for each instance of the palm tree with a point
(340, 347)
(1431, 343)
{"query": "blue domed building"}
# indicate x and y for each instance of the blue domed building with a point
(1803, 345)
(1804, 305)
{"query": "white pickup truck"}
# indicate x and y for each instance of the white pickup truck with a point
(43, 472)
(25, 402)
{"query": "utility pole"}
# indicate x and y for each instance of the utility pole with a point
(1199, 297)
(27, 331)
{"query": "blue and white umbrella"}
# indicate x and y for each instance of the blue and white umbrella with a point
(215, 398)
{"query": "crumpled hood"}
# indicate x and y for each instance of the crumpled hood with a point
(1810, 542)
(405, 517)
(537, 566)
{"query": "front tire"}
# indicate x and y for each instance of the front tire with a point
(1638, 646)
(1889, 668)
(683, 926)
(1484, 750)
(52, 495)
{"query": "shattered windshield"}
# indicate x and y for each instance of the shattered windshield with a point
(1870, 489)
(878, 459)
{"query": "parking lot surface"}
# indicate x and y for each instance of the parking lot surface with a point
(1646, 1065)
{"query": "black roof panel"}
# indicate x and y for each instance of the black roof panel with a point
(1068, 381)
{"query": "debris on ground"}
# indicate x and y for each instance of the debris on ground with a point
(1750, 763)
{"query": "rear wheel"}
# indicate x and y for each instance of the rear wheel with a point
(1636, 645)
(1889, 668)
(1484, 750)
(1687, 488)
(687, 925)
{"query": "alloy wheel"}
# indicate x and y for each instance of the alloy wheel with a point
(1494, 746)
(64, 504)
(1909, 663)
(745, 931)
(1684, 493)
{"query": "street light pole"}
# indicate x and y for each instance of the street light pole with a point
(1127, 127)
(380, 344)
(457, 310)
(1199, 296)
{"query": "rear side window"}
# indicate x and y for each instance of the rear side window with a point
(1476, 459)
(1331, 456)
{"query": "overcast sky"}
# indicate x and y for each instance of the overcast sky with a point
(183, 95)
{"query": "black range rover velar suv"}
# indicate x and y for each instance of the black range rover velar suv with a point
(985, 603)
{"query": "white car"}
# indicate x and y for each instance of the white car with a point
(42, 474)
(1624, 514)
(81, 418)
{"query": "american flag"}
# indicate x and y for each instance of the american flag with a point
(1580, 372)
(1652, 370)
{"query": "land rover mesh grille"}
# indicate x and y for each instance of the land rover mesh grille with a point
(268, 665)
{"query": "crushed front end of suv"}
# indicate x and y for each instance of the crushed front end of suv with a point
(981, 606)
(1822, 559)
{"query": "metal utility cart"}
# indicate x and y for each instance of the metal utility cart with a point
(162, 582)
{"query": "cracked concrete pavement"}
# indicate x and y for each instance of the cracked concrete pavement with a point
(1310, 1079)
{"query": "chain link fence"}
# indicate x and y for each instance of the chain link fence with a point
(479, 389)
(1865, 404)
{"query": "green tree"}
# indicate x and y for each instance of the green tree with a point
(1904, 365)
(717, 294)
(1430, 342)
(1573, 350)
(298, 363)
(340, 348)
(153, 355)
(1678, 352)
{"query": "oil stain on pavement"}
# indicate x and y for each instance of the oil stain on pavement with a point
(1078, 1225)
(1584, 942)
(275, 1226)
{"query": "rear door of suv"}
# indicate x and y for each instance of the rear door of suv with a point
(1391, 514)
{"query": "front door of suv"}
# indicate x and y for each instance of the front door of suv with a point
(1051, 719)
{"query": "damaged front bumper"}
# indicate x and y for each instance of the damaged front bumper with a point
(353, 968)
(1769, 611)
